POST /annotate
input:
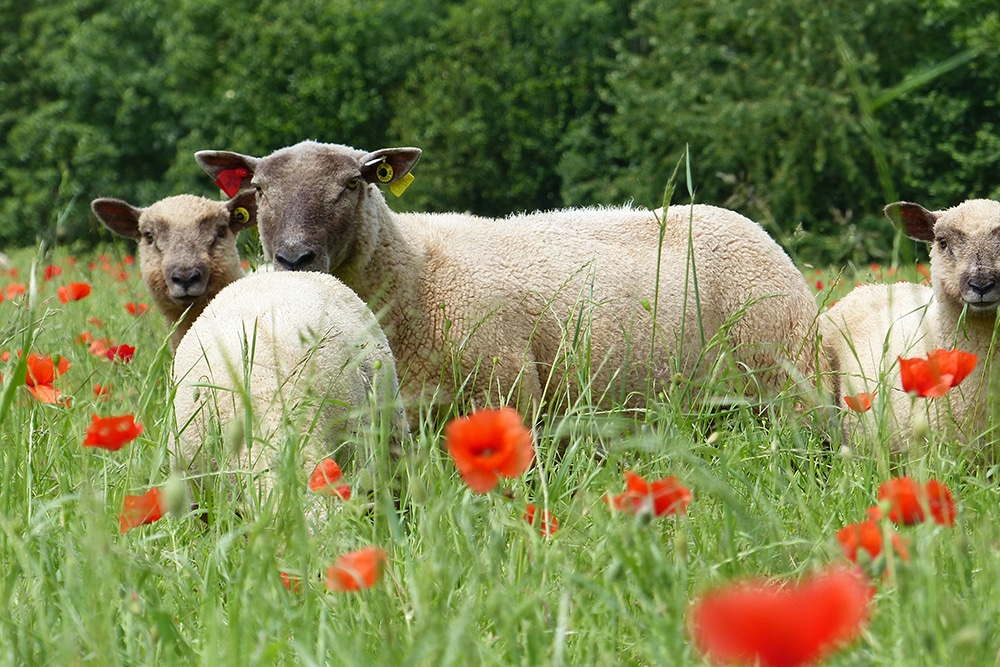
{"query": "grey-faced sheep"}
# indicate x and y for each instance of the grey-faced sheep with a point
(534, 307)
(187, 249)
(868, 330)
(298, 362)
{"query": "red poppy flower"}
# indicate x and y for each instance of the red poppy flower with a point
(908, 499)
(488, 444)
(778, 624)
(139, 510)
(73, 292)
(44, 370)
(860, 402)
(934, 376)
(291, 582)
(867, 535)
(136, 309)
(664, 496)
(102, 390)
(99, 347)
(121, 353)
(112, 433)
(14, 290)
(356, 570)
(324, 480)
(95, 321)
(547, 522)
(51, 271)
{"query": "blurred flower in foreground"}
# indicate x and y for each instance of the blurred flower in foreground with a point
(139, 510)
(934, 376)
(112, 433)
(73, 292)
(664, 496)
(860, 402)
(908, 501)
(781, 624)
(324, 480)
(489, 444)
(546, 521)
(291, 582)
(356, 570)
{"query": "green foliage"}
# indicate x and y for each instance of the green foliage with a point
(804, 116)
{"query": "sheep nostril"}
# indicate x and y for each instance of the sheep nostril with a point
(186, 279)
(982, 287)
(294, 261)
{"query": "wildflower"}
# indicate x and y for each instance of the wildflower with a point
(112, 433)
(860, 402)
(908, 500)
(291, 582)
(95, 321)
(324, 480)
(819, 285)
(14, 290)
(780, 624)
(136, 309)
(102, 390)
(42, 372)
(139, 510)
(488, 444)
(868, 536)
(51, 271)
(934, 376)
(98, 347)
(547, 522)
(356, 570)
(664, 496)
(121, 353)
(73, 292)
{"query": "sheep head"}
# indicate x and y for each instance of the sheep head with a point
(965, 251)
(187, 244)
(311, 197)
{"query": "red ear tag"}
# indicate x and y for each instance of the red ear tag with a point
(229, 180)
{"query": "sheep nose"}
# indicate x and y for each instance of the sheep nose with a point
(983, 287)
(185, 279)
(293, 260)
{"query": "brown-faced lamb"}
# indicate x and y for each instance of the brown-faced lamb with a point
(866, 332)
(540, 307)
(298, 362)
(187, 249)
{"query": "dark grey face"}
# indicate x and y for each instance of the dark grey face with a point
(973, 263)
(308, 200)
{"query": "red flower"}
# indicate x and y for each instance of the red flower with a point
(934, 376)
(356, 570)
(121, 353)
(139, 510)
(112, 433)
(291, 582)
(14, 290)
(488, 444)
(664, 496)
(867, 535)
(99, 347)
(908, 500)
(136, 309)
(102, 390)
(73, 292)
(547, 522)
(42, 372)
(51, 271)
(781, 624)
(860, 402)
(95, 321)
(324, 480)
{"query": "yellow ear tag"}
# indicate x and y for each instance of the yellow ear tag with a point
(399, 187)
(241, 216)
(384, 172)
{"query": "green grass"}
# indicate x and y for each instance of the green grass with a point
(468, 581)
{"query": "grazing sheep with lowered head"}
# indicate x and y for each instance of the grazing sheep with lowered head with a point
(865, 332)
(298, 354)
(187, 249)
(534, 307)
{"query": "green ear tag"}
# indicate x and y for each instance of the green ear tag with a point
(399, 187)
(384, 172)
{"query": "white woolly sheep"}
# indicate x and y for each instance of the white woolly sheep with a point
(187, 249)
(549, 303)
(865, 332)
(298, 354)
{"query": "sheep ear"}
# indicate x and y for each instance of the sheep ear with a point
(242, 211)
(119, 216)
(388, 165)
(917, 221)
(232, 171)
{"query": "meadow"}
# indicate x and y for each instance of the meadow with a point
(466, 580)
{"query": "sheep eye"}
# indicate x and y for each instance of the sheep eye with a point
(942, 243)
(352, 184)
(223, 231)
(147, 237)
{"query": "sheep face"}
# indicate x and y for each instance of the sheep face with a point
(965, 251)
(187, 245)
(311, 198)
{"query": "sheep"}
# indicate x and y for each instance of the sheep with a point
(187, 249)
(868, 330)
(538, 307)
(279, 363)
